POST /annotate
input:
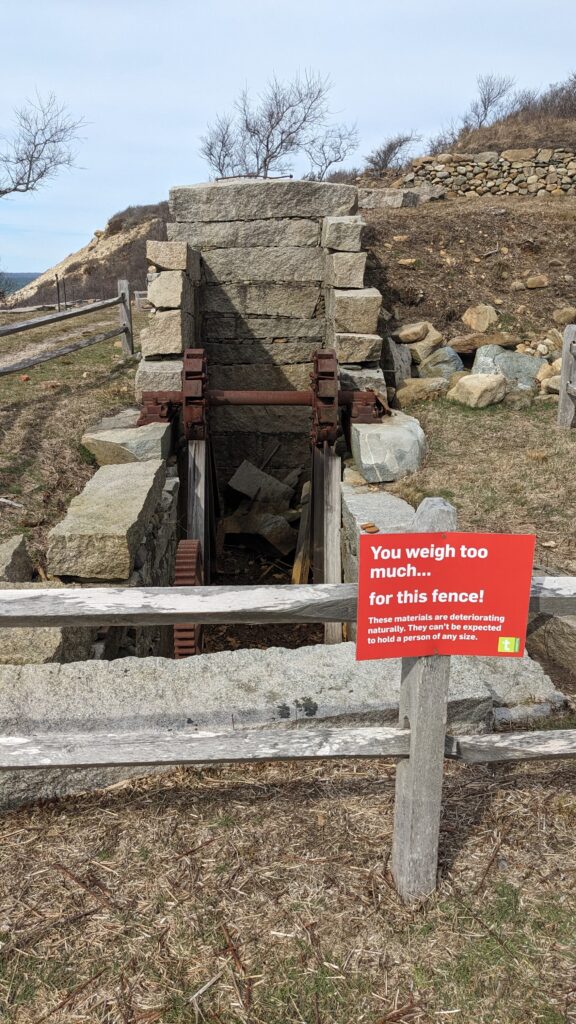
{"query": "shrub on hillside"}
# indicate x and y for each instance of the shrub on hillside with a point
(134, 215)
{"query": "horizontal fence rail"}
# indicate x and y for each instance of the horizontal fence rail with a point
(122, 299)
(125, 606)
(54, 318)
(91, 749)
(25, 364)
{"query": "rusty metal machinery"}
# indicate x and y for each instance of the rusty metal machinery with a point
(325, 398)
(191, 405)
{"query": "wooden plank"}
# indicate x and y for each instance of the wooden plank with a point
(331, 534)
(553, 595)
(423, 710)
(50, 750)
(329, 602)
(123, 606)
(54, 318)
(126, 317)
(154, 747)
(571, 389)
(317, 515)
(196, 527)
(45, 357)
(301, 567)
(567, 405)
(516, 746)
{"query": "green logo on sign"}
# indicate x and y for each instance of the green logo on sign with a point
(508, 644)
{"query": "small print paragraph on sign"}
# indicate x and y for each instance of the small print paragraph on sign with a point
(443, 593)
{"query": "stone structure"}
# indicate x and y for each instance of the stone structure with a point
(121, 529)
(261, 274)
(522, 172)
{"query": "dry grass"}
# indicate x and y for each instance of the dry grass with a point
(270, 885)
(469, 251)
(42, 419)
(506, 470)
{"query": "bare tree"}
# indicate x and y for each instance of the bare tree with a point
(262, 138)
(41, 145)
(489, 104)
(330, 148)
(392, 153)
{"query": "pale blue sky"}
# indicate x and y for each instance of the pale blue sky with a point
(147, 75)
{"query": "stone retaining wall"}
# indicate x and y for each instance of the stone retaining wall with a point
(261, 274)
(522, 172)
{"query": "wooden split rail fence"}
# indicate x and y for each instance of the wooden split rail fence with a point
(122, 300)
(420, 742)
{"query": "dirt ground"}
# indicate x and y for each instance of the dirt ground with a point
(262, 894)
(469, 251)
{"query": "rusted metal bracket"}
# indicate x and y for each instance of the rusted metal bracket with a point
(324, 398)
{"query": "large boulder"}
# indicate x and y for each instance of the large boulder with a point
(396, 360)
(15, 562)
(520, 370)
(420, 389)
(479, 390)
(465, 344)
(105, 524)
(389, 450)
(442, 363)
(134, 444)
(479, 318)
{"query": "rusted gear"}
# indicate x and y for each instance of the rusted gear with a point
(324, 397)
(194, 396)
(188, 638)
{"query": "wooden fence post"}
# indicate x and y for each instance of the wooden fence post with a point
(126, 317)
(567, 404)
(423, 710)
(332, 532)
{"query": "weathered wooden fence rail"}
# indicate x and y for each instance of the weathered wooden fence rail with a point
(567, 402)
(122, 300)
(122, 606)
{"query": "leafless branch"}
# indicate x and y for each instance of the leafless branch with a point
(263, 136)
(392, 153)
(42, 144)
(329, 148)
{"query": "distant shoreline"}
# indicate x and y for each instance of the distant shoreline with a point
(12, 282)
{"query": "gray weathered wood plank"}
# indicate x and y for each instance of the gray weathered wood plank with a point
(516, 746)
(423, 710)
(567, 404)
(301, 567)
(318, 480)
(45, 357)
(164, 605)
(54, 318)
(331, 534)
(75, 750)
(124, 606)
(50, 750)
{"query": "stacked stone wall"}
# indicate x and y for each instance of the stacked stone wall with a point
(261, 274)
(539, 172)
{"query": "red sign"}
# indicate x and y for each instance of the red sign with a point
(443, 593)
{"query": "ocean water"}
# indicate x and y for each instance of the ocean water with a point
(12, 282)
